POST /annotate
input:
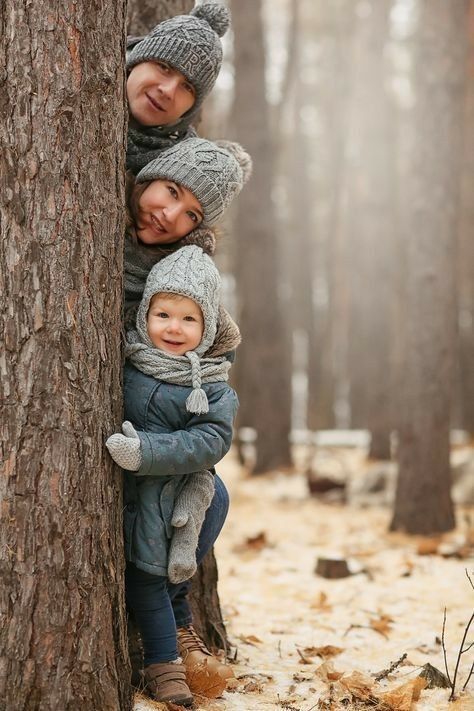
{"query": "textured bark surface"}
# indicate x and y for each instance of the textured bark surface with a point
(205, 605)
(62, 640)
(263, 370)
(423, 503)
(143, 15)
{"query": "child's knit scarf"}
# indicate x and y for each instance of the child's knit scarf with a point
(188, 370)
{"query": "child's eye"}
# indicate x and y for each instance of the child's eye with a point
(162, 314)
(189, 318)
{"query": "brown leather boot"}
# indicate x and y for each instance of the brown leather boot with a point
(198, 660)
(166, 681)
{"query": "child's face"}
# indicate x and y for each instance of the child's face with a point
(175, 325)
(166, 212)
(157, 94)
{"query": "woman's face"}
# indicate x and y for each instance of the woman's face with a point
(157, 94)
(167, 211)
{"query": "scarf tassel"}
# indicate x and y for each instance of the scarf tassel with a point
(197, 402)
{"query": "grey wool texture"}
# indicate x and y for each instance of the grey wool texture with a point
(188, 516)
(214, 172)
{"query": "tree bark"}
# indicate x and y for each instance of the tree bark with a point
(62, 643)
(263, 364)
(143, 15)
(423, 501)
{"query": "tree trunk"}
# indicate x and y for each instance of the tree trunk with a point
(263, 363)
(143, 15)
(466, 250)
(423, 501)
(372, 238)
(62, 148)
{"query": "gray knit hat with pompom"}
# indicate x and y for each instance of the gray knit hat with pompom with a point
(214, 172)
(189, 43)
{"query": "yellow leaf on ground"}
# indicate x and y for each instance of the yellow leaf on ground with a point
(204, 681)
(327, 651)
(402, 698)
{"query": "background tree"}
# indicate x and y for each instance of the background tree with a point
(62, 148)
(423, 503)
(263, 364)
(143, 15)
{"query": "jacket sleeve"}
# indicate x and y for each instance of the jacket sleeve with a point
(204, 441)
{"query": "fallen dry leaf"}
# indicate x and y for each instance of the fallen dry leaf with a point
(203, 681)
(327, 672)
(428, 546)
(382, 625)
(327, 651)
(321, 603)
(253, 543)
(250, 639)
(402, 698)
(358, 685)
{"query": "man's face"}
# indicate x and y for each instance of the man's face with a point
(157, 94)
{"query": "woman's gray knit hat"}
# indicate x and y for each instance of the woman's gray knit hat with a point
(189, 43)
(188, 272)
(214, 172)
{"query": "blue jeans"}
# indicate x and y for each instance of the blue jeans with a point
(159, 606)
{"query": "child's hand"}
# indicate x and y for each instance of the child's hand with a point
(125, 449)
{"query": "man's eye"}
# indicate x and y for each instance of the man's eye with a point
(164, 67)
(189, 88)
(193, 216)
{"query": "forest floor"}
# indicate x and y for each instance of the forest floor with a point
(303, 642)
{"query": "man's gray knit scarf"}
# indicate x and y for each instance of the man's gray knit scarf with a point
(144, 144)
(188, 370)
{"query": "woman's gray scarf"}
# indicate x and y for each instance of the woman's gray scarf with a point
(188, 370)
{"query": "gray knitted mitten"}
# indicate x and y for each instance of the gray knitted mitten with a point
(188, 516)
(125, 449)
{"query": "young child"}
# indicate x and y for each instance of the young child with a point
(183, 411)
(169, 74)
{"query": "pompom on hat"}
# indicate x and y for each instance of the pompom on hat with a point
(214, 172)
(189, 43)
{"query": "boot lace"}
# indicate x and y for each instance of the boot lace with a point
(190, 640)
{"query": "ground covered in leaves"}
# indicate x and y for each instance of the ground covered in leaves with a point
(303, 642)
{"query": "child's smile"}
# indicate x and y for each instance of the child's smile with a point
(175, 323)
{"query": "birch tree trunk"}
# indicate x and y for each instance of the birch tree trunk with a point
(62, 643)
(423, 501)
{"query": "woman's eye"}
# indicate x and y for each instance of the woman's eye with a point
(173, 191)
